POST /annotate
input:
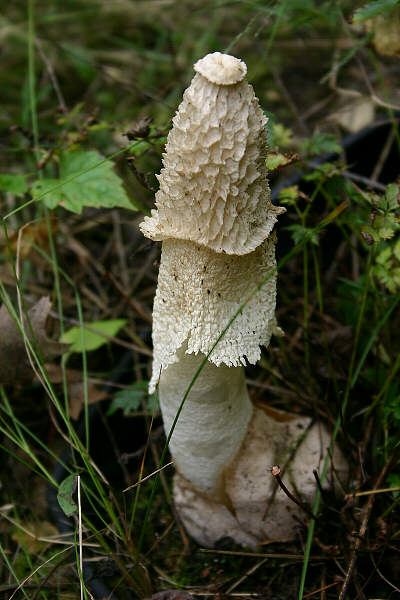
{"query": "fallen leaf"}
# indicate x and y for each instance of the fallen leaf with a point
(76, 394)
(386, 31)
(357, 114)
(15, 368)
(33, 235)
(32, 534)
(77, 397)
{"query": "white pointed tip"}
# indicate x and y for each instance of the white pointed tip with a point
(221, 69)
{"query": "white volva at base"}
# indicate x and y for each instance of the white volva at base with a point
(255, 509)
(224, 449)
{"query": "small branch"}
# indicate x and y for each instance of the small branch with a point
(276, 470)
(363, 529)
(53, 78)
(396, 488)
(148, 477)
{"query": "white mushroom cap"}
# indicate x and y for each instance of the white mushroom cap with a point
(213, 186)
(221, 69)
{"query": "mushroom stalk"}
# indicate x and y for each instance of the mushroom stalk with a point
(215, 219)
(213, 422)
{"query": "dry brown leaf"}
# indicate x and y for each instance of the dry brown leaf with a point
(15, 368)
(357, 114)
(33, 235)
(31, 535)
(75, 386)
(386, 30)
(77, 397)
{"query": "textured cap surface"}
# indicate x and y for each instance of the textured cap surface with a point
(213, 185)
(221, 69)
(199, 291)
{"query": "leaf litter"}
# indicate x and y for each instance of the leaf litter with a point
(15, 367)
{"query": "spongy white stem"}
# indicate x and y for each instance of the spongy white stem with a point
(213, 422)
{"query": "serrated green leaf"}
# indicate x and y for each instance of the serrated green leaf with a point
(384, 256)
(373, 9)
(91, 339)
(51, 190)
(277, 160)
(289, 195)
(396, 249)
(323, 171)
(321, 143)
(368, 229)
(86, 179)
(15, 184)
(299, 233)
(129, 400)
(392, 198)
(64, 495)
(385, 225)
(281, 136)
(385, 232)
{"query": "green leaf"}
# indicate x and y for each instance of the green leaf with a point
(396, 249)
(320, 143)
(289, 195)
(277, 160)
(86, 179)
(299, 233)
(15, 184)
(369, 231)
(373, 9)
(64, 495)
(391, 200)
(384, 256)
(394, 481)
(281, 136)
(92, 340)
(385, 225)
(130, 400)
(324, 171)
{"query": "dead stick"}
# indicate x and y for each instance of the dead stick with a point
(276, 470)
(363, 529)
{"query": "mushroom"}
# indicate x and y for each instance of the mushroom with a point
(215, 219)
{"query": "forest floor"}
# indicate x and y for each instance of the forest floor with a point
(88, 93)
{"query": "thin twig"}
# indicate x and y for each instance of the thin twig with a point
(80, 573)
(276, 470)
(265, 555)
(53, 78)
(363, 529)
(148, 477)
(246, 575)
(396, 488)
(321, 589)
(23, 583)
(21, 312)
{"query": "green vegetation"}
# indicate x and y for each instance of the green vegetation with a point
(88, 93)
